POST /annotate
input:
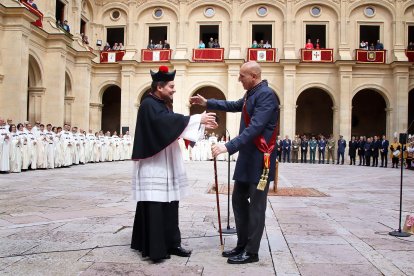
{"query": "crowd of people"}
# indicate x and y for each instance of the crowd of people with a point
(159, 45)
(262, 44)
(116, 47)
(309, 45)
(369, 150)
(25, 147)
(212, 43)
(364, 45)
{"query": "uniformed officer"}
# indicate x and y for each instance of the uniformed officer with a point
(331, 149)
(295, 149)
(313, 144)
(321, 150)
(341, 149)
(384, 151)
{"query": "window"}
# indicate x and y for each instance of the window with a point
(115, 15)
(262, 11)
(115, 35)
(207, 32)
(410, 34)
(158, 13)
(314, 32)
(369, 11)
(157, 34)
(369, 33)
(60, 11)
(262, 32)
(315, 11)
(209, 12)
(83, 27)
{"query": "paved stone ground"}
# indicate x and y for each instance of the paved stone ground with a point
(78, 221)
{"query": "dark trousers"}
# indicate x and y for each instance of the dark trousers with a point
(249, 215)
(321, 160)
(340, 156)
(312, 156)
(375, 160)
(384, 159)
(395, 161)
(279, 155)
(303, 156)
(286, 153)
(367, 159)
(352, 159)
(362, 159)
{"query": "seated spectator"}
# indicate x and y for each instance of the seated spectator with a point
(362, 45)
(31, 3)
(107, 47)
(318, 45)
(255, 45)
(309, 44)
(150, 45)
(216, 44)
(379, 45)
(372, 47)
(261, 44)
(211, 43)
(166, 45)
(410, 46)
(121, 46)
(66, 26)
(267, 45)
(115, 47)
(201, 45)
(159, 45)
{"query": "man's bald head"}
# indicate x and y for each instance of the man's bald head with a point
(253, 68)
(250, 74)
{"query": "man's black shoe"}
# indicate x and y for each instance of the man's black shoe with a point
(243, 258)
(233, 252)
(179, 251)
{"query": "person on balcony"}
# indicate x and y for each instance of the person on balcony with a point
(166, 45)
(121, 46)
(84, 39)
(66, 26)
(410, 46)
(158, 45)
(150, 45)
(210, 43)
(216, 44)
(309, 45)
(116, 47)
(372, 47)
(107, 47)
(379, 45)
(31, 3)
(362, 45)
(261, 44)
(318, 45)
(267, 45)
(255, 45)
(201, 45)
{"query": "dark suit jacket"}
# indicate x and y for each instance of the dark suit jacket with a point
(353, 145)
(263, 108)
(341, 145)
(384, 145)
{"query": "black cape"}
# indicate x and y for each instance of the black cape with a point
(157, 127)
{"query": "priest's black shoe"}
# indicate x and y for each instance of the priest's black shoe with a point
(179, 251)
(232, 252)
(243, 258)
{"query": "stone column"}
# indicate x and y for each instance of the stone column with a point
(95, 115)
(336, 120)
(399, 33)
(343, 26)
(127, 86)
(389, 127)
(182, 29)
(289, 26)
(288, 125)
(235, 91)
(401, 91)
(131, 37)
(345, 100)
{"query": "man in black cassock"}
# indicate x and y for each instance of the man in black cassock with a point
(159, 179)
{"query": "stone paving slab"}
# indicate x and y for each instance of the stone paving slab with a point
(53, 224)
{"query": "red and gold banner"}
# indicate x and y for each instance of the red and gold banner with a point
(208, 55)
(261, 55)
(161, 55)
(38, 22)
(317, 55)
(112, 56)
(367, 56)
(410, 55)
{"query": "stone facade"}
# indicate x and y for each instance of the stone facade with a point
(51, 76)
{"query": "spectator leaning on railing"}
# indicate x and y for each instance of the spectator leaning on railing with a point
(31, 3)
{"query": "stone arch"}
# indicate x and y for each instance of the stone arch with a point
(118, 5)
(327, 4)
(314, 112)
(381, 90)
(35, 71)
(104, 86)
(249, 4)
(202, 84)
(408, 5)
(111, 109)
(385, 4)
(321, 86)
(68, 83)
(369, 115)
(200, 3)
(210, 92)
(88, 10)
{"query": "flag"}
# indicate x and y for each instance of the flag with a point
(156, 56)
(316, 55)
(111, 57)
(261, 55)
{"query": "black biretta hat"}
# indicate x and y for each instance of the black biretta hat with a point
(163, 74)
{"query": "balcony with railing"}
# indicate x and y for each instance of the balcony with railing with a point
(111, 56)
(316, 55)
(36, 12)
(156, 55)
(261, 54)
(370, 56)
(208, 55)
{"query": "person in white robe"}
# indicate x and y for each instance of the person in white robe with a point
(104, 146)
(24, 146)
(58, 147)
(50, 147)
(32, 147)
(128, 141)
(4, 148)
(116, 146)
(15, 150)
(122, 147)
(67, 143)
(110, 145)
(76, 146)
(98, 148)
(90, 147)
(82, 143)
(41, 147)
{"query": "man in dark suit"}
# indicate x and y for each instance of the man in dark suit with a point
(341, 149)
(352, 150)
(384, 151)
(321, 149)
(286, 149)
(361, 151)
(260, 112)
(279, 148)
(368, 151)
(304, 149)
(376, 145)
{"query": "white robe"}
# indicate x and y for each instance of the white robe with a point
(162, 177)
(4, 149)
(41, 150)
(32, 149)
(50, 149)
(15, 153)
(67, 144)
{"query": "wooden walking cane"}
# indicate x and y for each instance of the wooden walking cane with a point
(218, 203)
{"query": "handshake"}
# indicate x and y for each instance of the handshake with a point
(210, 120)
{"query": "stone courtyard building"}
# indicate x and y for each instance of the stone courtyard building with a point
(54, 76)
